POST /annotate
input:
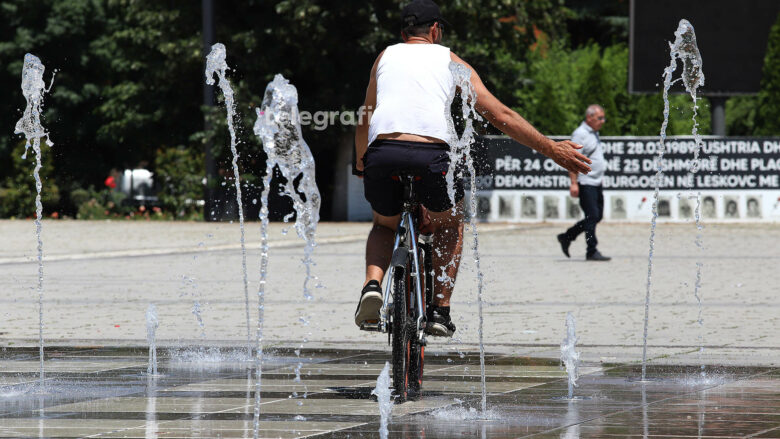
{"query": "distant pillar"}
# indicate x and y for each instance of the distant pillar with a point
(208, 101)
(718, 109)
(343, 161)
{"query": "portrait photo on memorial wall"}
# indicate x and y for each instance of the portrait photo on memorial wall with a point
(506, 206)
(618, 207)
(483, 207)
(664, 207)
(709, 207)
(685, 207)
(551, 207)
(528, 207)
(573, 210)
(731, 210)
(754, 206)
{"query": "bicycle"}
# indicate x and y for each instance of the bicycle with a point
(410, 286)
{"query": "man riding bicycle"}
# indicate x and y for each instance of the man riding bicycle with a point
(405, 104)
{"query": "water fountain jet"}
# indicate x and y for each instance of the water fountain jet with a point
(33, 88)
(569, 355)
(216, 64)
(685, 50)
(383, 393)
(278, 127)
(152, 323)
(460, 152)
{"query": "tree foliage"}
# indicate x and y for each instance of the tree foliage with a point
(17, 190)
(127, 80)
(130, 72)
(767, 116)
(563, 82)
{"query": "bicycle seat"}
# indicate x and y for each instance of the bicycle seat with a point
(407, 174)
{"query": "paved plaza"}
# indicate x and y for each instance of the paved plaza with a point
(100, 277)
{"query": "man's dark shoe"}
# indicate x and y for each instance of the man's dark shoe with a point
(597, 256)
(565, 243)
(439, 323)
(370, 302)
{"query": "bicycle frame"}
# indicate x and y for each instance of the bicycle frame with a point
(405, 241)
(405, 325)
(405, 237)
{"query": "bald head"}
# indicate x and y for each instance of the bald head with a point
(593, 109)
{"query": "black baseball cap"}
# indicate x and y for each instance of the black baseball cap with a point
(421, 12)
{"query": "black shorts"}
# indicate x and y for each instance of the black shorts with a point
(384, 158)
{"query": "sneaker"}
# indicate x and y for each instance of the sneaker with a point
(565, 243)
(597, 256)
(370, 303)
(439, 323)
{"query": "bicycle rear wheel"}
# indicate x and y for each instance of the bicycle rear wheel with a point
(400, 335)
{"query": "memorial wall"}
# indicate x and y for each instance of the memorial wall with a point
(738, 179)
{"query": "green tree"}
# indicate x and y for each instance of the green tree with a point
(549, 116)
(768, 114)
(548, 99)
(17, 191)
(177, 172)
(130, 72)
(604, 22)
(596, 90)
(741, 115)
(565, 81)
(126, 72)
(645, 114)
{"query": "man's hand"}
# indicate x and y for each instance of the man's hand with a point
(358, 168)
(574, 190)
(565, 154)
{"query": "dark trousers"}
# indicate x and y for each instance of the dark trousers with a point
(592, 203)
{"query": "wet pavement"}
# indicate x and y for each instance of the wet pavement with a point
(209, 392)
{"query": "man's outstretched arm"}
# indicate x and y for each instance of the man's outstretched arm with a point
(513, 125)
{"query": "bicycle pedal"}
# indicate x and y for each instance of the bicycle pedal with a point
(370, 326)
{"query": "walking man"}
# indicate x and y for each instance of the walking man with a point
(588, 186)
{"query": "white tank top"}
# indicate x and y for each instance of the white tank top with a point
(412, 85)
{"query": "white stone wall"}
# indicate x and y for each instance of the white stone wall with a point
(631, 206)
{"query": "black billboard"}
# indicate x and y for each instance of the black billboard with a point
(732, 38)
(726, 163)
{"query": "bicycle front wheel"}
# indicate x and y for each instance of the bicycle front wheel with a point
(401, 342)
(417, 350)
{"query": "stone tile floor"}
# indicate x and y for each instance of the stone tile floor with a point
(105, 392)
